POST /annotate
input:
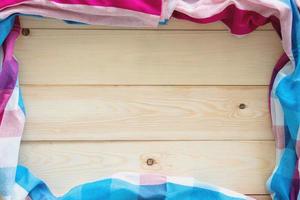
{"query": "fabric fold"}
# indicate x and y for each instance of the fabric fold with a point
(240, 16)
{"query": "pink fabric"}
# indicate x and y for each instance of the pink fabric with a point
(13, 123)
(146, 6)
(85, 14)
(283, 60)
(5, 3)
(4, 96)
(295, 184)
(150, 179)
(279, 136)
(209, 11)
(240, 16)
(239, 21)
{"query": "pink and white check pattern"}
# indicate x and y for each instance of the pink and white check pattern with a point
(241, 17)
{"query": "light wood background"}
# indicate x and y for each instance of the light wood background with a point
(102, 100)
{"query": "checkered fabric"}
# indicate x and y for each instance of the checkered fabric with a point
(241, 17)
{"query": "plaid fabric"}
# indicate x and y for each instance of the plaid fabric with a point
(125, 186)
(241, 17)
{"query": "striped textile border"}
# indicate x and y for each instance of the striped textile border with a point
(241, 17)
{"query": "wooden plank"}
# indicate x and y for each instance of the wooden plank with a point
(174, 24)
(115, 57)
(64, 165)
(147, 113)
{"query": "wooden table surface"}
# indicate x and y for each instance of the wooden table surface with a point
(192, 98)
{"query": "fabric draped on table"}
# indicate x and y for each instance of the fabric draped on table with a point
(240, 16)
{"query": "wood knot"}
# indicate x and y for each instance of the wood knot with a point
(150, 161)
(242, 106)
(25, 31)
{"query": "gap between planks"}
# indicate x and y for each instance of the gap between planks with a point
(199, 27)
(260, 197)
(173, 24)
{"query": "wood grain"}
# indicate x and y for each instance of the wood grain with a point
(91, 114)
(174, 24)
(147, 113)
(66, 164)
(124, 57)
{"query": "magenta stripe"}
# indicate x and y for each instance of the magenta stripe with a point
(4, 97)
(239, 21)
(153, 7)
(283, 60)
(85, 13)
(295, 184)
(9, 73)
(6, 3)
